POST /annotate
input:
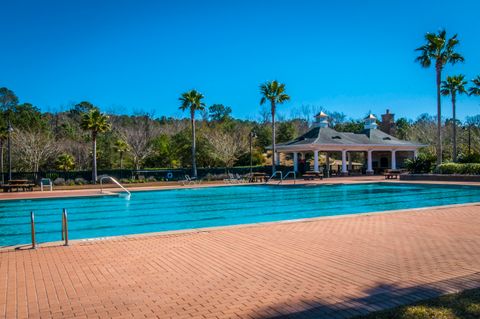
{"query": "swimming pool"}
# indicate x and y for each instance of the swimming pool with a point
(154, 211)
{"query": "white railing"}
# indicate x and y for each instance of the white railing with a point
(275, 174)
(116, 182)
(285, 176)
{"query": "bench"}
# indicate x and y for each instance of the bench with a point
(18, 185)
(311, 175)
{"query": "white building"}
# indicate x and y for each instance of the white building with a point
(382, 151)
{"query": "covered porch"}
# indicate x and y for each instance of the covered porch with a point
(376, 149)
(354, 160)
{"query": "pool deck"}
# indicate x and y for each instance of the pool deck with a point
(324, 268)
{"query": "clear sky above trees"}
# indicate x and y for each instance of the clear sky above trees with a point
(125, 56)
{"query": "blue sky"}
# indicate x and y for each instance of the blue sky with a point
(133, 56)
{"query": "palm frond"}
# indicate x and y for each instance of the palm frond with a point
(475, 89)
(453, 85)
(192, 100)
(437, 47)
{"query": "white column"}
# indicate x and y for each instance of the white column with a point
(277, 158)
(295, 162)
(344, 162)
(327, 162)
(369, 162)
(415, 153)
(394, 159)
(315, 161)
(349, 156)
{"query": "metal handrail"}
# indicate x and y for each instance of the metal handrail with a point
(32, 225)
(65, 226)
(275, 174)
(290, 172)
(116, 182)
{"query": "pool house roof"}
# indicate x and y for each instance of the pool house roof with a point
(322, 137)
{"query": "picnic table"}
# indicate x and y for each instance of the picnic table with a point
(311, 175)
(392, 173)
(258, 177)
(18, 184)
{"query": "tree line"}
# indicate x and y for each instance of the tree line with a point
(84, 138)
(43, 141)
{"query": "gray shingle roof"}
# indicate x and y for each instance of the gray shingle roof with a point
(326, 135)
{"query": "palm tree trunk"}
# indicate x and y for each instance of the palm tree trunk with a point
(121, 160)
(439, 116)
(273, 138)
(94, 165)
(194, 144)
(454, 127)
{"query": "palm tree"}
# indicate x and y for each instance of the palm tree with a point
(441, 50)
(65, 162)
(274, 92)
(475, 89)
(192, 100)
(121, 147)
(452, 86)
(95, 122)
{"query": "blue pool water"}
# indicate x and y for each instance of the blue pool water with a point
(153, 211)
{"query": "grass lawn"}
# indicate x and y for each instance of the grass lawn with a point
(465, 305)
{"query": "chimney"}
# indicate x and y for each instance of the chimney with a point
(388, 122)
(321, 120)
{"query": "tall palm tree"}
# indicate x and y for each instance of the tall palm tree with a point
(440, 50)
(95, 122)
(121, 147)
(274, 92)
(452, 86)
(475, 89)
(192, 101)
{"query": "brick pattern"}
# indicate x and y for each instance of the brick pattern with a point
(329, 268)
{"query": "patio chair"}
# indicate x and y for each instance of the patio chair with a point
(190, 180)
(46, 182)
(231, 179)
(241, 179)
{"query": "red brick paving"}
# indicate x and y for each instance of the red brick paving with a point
(330, 268)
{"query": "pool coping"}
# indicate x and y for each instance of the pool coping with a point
(189, 231)
(115, 191)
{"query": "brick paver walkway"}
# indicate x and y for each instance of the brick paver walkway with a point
(330, 268)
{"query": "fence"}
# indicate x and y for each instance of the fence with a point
(158, 174)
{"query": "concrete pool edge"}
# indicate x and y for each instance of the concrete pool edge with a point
(57, 194)
(184, 232)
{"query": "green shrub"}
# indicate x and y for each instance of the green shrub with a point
(459, 168)
(424, 163)
(473, 157)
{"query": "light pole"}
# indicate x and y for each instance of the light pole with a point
(252, 135)
(9, 152)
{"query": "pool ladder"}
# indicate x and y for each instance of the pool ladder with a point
(275, 174)
(64, 228)
(283, 177)
(289, 173)
(127, 196)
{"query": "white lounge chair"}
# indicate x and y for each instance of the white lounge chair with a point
(241, 179)
(190, 180)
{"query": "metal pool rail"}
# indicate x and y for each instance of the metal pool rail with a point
(116, 182)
